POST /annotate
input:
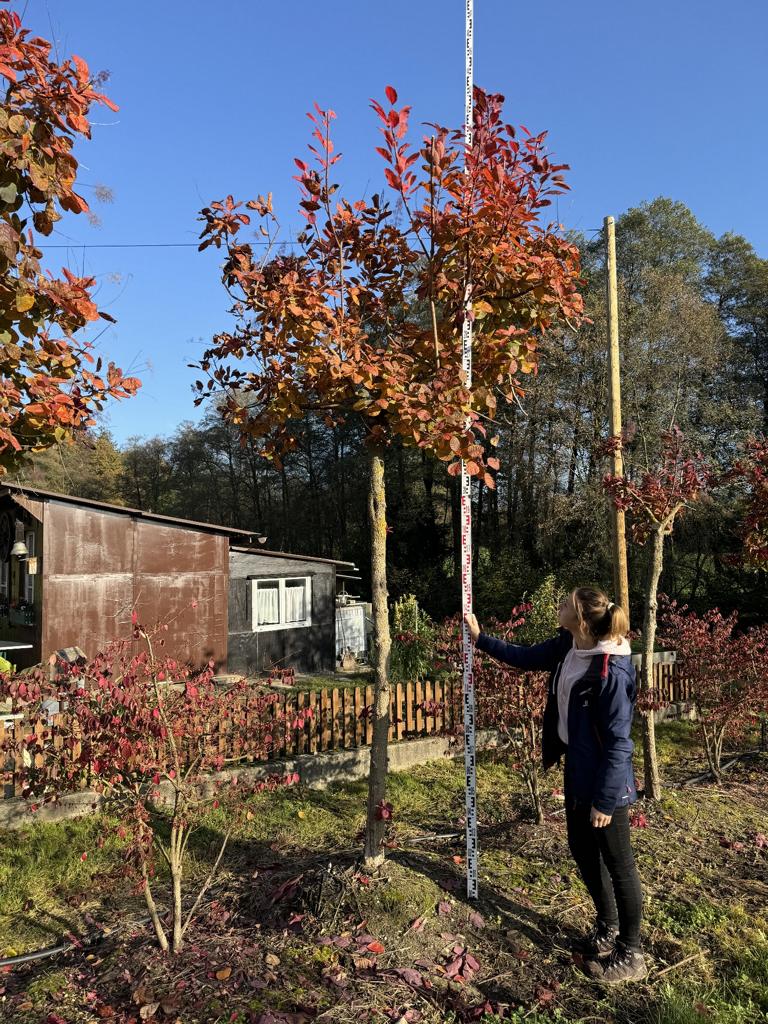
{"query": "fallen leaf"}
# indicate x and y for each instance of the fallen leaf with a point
(223, 974)
(271, 960)
(25, 1006)
(375, 947)
(417, 925)
(364, 963)
(443, 908)
(410, 976)
(453, 970)
(457, 859)
(149, 1010)
(476, 920)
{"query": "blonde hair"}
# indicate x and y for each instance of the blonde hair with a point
(598, 615)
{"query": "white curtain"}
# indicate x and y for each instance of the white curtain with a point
(267, 605)
(295, 602)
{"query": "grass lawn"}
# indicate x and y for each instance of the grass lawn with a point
(294, 933)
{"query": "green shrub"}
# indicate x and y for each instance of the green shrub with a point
(413, 638)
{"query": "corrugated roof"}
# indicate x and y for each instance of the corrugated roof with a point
(230, 531)
(288, 554)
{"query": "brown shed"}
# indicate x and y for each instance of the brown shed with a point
(89, 564)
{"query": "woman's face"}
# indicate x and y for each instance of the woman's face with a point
(566, 615)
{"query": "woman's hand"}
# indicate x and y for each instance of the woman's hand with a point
(598, 819)
(474, 628)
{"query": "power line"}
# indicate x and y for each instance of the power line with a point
(140, 245)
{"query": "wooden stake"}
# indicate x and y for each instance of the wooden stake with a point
(620, 573)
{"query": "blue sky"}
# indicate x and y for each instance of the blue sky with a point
(658, 98)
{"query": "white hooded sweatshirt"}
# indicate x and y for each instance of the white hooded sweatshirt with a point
(574, 666)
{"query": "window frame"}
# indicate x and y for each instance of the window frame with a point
(281, 624)
(29, 579)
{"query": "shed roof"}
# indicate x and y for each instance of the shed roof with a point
(19, 490)
(288, 554)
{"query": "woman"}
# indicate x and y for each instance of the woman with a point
(588, 718)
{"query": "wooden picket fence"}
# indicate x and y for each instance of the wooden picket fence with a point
(314, 721)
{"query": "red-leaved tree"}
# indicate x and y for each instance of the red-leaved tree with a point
(654, 496)
(50, 382)
(513, 702)
(363, 318)
(727, 672)
(752, 468)
(149, 735)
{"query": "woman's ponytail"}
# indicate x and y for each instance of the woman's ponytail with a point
(601, 617)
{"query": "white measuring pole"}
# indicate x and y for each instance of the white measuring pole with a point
(466, 527)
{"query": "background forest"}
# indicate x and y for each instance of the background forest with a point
(694, 339)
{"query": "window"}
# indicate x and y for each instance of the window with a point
(29, 581)
(5, 587)
(281, 603)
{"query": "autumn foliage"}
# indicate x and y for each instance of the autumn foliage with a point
(507, 700)
(364, 317)
(51, 383)
(752, 468)
(362, 320)
(513, 702)
(726, 669)
(146, 733)
(654, 496)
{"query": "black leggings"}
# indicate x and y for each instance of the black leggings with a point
(604, 858)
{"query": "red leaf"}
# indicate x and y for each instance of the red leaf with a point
(410, 976)
(391, 94)
(375, 947)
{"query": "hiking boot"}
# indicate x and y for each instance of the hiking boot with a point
(622, 965)
(600, 942)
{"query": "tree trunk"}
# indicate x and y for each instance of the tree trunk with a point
(177, 911)
(531, 756)
(152, 907)
(285, 545)
(377, 777)
(650, 756)
(711, 750)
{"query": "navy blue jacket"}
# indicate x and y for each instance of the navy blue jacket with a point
(598, 762)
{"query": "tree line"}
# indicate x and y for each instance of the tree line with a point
(694, 336)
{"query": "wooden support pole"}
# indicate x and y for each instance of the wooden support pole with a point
(619, 537)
